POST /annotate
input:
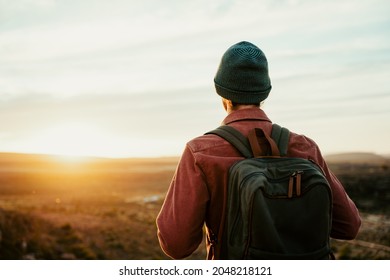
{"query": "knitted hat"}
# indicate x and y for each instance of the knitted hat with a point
(242, 76)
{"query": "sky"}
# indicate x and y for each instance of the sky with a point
(126, 78)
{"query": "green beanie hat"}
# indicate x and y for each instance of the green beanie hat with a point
(242, 76)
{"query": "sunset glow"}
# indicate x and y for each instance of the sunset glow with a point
(74, 139)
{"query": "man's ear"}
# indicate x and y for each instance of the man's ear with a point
(227, 104)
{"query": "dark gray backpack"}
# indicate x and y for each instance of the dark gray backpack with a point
(277, 207)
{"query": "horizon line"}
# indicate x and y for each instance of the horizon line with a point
(385, 155)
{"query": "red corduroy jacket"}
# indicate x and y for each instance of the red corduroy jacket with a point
(196, 195)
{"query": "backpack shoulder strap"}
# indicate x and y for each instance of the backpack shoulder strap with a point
(281, 136)
(234, 137)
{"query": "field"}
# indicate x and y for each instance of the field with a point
(92, 208)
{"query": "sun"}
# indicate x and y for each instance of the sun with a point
(74, 139)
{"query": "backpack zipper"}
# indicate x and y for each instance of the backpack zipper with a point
(295, 176)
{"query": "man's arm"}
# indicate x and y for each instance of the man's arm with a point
(181, 217)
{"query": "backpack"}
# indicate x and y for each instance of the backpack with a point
(277, 207)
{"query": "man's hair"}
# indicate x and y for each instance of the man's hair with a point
(257, 104)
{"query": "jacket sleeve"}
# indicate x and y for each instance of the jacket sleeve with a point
(181, 218)
(346, 220)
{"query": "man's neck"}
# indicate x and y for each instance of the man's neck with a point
(231, 109)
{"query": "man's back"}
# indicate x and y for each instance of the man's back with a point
(199, 187)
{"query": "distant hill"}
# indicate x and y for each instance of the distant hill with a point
(13, 162)
(357, 158)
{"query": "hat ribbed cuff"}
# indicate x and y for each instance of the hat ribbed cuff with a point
(242, 97)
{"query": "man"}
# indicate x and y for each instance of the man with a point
(195, 196)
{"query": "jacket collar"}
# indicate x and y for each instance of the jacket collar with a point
(246, 114)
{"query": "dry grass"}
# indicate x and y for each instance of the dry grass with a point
(106, 209)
